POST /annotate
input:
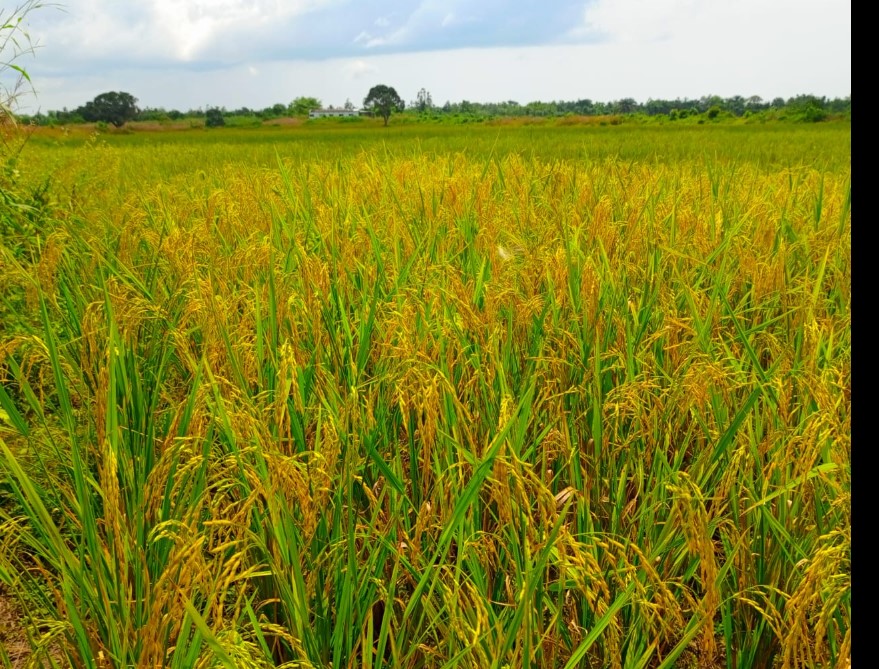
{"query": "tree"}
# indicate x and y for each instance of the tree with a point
(626, 106)
(112, 107)
(735, 104)
(214, 118)
(584, 106)
(383, 100)
(807, 108)
(423, 101)
(755, 103)
(349, 105)
(302, 105)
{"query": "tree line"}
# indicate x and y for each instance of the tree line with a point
(117, 108)
(800, 107)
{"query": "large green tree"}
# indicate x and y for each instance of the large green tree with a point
(302, 105)
(112, 107)
(213, 118)
(383, 100)
(423, 101)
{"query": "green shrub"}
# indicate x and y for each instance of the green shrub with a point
(214, 118)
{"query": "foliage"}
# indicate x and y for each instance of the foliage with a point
(113, 107)
(275, 111)
(302, 105)
(383, 100)
(736, 107)
(214, 118)
(423, 101)
(808, 108)
(23, 207)
(15, 43)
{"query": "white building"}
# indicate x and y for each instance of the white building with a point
(321, 113)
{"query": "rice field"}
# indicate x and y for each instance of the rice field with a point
(525, 396)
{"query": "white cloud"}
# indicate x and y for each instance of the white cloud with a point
(655, 48)
(741, 25)
(358, 69)
(425, 19)
(155, 31)
(637, 20)
(602, 72)
(195, 26)
(399, 36)
(670, 48)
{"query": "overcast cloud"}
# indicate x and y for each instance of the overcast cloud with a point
(194, 53)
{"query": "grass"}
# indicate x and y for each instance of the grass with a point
(278, 397)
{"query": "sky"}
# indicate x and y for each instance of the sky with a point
(186, 54)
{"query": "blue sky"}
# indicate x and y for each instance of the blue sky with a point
(194, 53)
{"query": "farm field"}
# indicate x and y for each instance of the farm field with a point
(486, 396)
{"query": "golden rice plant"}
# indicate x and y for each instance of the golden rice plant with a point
(434, 407)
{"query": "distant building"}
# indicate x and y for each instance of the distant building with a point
(321, 113)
